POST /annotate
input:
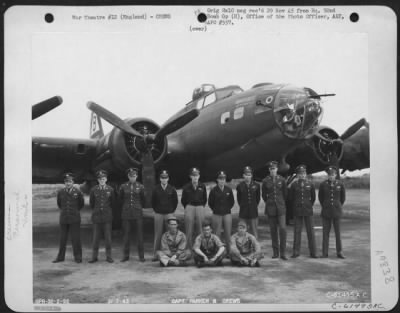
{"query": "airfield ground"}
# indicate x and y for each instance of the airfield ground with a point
(303, 280)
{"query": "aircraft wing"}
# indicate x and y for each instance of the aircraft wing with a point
(52, 157)
(356, 151)
(350, 151)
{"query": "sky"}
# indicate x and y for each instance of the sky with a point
(152, 71)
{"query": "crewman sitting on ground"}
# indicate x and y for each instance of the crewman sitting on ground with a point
(208, 248)
(173, 244)
(245, 250)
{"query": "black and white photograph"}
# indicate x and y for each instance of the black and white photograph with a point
(191, 158)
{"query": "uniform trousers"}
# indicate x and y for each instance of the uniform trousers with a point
(252, 225)
(226, 221)
(74, 229)
(127, 226)
(98, 229)
(235, 259)
(164, 257)
(199, 260)
(194, 216)
(326, 228)
(308, 220)
(159, 221)
(278, 246)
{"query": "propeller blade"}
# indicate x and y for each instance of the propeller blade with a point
(112, 118)
(45, 106)
(354, 128)
(148, 176)
(173, 125)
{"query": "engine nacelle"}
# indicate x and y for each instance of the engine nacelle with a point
(126, 150)
(321, 150)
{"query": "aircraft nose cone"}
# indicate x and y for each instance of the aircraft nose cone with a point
(297, 114)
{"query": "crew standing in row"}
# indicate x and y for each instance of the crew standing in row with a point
(301, 198)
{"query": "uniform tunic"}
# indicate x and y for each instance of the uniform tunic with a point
(173, 244)
(220, 200)
(101, 201)
(70, 202)
(195, 197)
(302, 197)
(132, 198)
(274, 194)
(210, 247)
(331, 195)
(164, 201)
(245, 246)
(248, 197)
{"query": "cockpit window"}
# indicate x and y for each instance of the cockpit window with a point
(296, 113)
(209, 99)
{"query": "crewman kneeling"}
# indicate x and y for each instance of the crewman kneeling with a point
(208, 248)
(173, 244)
(245, 250)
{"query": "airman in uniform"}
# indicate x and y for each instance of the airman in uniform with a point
(194, 198)
(221, 201)
(173, 246)
(274, 193)
(245, 249)
(102, 199)
(70, 202)
(131, 197)
(208, 250)
(164, 203)
(248, 197)
(301, 199)
(332, 196)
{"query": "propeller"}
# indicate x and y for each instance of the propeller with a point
(174, 124)
(354, 128)
(45, 106)
(112, 118)
(147, 161)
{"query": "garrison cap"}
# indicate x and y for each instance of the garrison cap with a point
(132, 171)
(301, 169)
(331, 169)
(68, 176)
(242, 223)
(221, 174)
(194, 171)
(172, 218)
(164, 174)
(273, 164)
(247, 170)
(101, 173)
